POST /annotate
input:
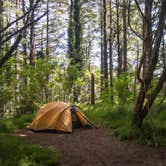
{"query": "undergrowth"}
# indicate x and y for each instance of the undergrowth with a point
(119, 118)
(18, 152)
(10, 124)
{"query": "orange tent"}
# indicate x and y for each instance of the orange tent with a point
(59, 116)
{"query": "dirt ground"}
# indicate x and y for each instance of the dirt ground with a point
(97, 147)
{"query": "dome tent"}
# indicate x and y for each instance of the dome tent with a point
(59, 116)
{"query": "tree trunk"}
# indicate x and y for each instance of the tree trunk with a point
(102, 49)
(47, 92)
(124, 36)
(142, 106)
(1, 49)
(119, 70)
(92, 101)
(105, 58)
(32, 36)
(110, 54)
(74, 46)
(16, 60)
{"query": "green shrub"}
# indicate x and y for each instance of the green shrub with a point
(23, 120)
(8, 125)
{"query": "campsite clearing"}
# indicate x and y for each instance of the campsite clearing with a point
(97, 147)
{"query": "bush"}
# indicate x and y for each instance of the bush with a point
(23, 121)
(8, 125)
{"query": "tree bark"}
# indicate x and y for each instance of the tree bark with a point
(92, 89)
(47, 92)
(102, 49)
(140, 110)
(110, 54)
(105, 58)
(124, 36)
(32, 36)
(119, 70)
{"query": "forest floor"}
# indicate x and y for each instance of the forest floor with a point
(97, 147)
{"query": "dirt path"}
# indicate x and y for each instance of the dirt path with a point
(97, 147)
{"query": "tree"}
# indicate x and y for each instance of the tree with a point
(124, 36)
(111, 53)
(74, 46)
(149, 60)
(21, 32)
(105, 58)
(32, 35)
(119, 70)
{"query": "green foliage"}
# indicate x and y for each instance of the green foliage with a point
(8, 125)
(123, 88)
(23, 121)
(35, 82)
(6, 78)
(119, 118)
(15, 151)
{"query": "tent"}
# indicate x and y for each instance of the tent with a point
(59, 116)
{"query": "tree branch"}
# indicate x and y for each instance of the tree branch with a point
(25, 26)
(155, 92)
(138, 7)
(138, 35)
(21, 17)
(19, 38)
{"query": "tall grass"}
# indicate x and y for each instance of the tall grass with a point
(17, 152)
(119, 118)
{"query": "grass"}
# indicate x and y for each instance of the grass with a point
(18, 152)
(119, 118)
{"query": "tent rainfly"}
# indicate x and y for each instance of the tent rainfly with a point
(60, 117)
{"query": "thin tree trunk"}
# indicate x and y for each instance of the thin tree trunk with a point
(102, 49)
(110, 54)
(136, 69)
(119, 70)
(1, 49)
(16, 60)
(24, 44)
(105, 58)
(92, 89)
(124, 36)
(47, 92)
(32, 36)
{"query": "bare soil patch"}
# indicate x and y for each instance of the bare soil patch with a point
(97, 147)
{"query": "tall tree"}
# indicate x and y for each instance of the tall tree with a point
(105, 58)
(74, 46)
(102, 49)
(32, 35)
(150, 55)
(124, 35)
(119, 69)
(47, 92)
(110, 53)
